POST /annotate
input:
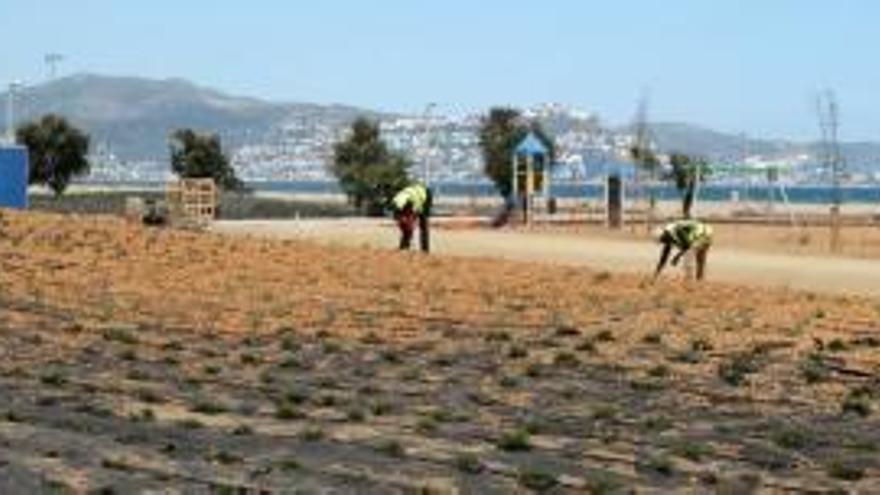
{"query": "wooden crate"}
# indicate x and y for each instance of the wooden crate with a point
(192, 201)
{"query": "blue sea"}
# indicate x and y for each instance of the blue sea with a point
(801, 194)
(798, 194)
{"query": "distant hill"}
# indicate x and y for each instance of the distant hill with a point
(135, 115)
(689, 138)
(132, 118)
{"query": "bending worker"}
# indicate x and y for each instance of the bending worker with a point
(685, 235)
(412, 204)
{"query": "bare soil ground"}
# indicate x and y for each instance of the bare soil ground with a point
(758, 260)
(135, 360)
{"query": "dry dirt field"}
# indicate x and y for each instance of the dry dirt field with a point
(859, 241)
(137, 360)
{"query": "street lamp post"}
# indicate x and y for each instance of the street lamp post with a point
(10, 113)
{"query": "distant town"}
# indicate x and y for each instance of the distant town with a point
(129, 120)
(449, 147)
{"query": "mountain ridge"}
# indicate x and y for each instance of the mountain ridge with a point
(133, 116)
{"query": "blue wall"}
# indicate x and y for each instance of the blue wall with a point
(13, 177)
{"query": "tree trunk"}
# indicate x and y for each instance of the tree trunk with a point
(688, 199)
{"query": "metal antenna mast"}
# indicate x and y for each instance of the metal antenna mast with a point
(52, 60)
(827, 108)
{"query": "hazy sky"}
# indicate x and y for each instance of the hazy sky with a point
(746, 65)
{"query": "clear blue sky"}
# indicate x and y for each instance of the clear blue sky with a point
(747, 65)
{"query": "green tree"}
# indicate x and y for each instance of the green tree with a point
(500, 132)
(196, 156)
(686, 172)
(368, 172)
(56, 150)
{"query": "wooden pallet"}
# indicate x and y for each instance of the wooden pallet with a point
(192, 201)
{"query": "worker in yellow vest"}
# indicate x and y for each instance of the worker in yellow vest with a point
(411, 204)
(685, 235)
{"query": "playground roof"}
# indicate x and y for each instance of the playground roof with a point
(531, 145)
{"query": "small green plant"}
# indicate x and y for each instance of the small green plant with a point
(296, 396)
(226, 458)
(702, 345)
(837, 345)
(657, 423)
(426, 425)
(122, 335)
(845, 470)
(173, 345)
(289, 344)
(498, 336)
(539, 481)
(605, 412)
(508, 381)
(735, 370)
(289, 464)
(128, 355)
(290, 362)
(243, 430)
(565, 359)
(380, 408)
(586, 345)
(857, 401)
(790, 438)
(661, 464)
(441, 415)
(371, 338)
(391, 448)
(467, 462)
(659, 371)
(693, 451)
(288, 413)
(53, 379)
(515, 441)
(534, 370)
(814, 369)
(250, 359)
(356, 415)
(208, 407)
(312, 434)
(517, 352)
(566, 331)
(191, 424)
(116, 464)
(688, 356)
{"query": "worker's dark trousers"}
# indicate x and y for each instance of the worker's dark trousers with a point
(406, 235)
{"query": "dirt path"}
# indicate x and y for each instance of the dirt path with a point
(821, 274)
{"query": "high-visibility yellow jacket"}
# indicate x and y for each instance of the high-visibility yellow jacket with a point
(686, 234)
(415, 195)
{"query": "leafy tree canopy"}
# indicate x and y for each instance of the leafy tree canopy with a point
(686, 172)
(197, 156)
(368, 172)
(57, 151)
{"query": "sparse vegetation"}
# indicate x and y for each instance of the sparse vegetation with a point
(508, 381)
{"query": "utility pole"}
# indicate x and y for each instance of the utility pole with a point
(426, 164)
(644, 158)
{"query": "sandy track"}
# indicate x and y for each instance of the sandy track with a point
(821, 274)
